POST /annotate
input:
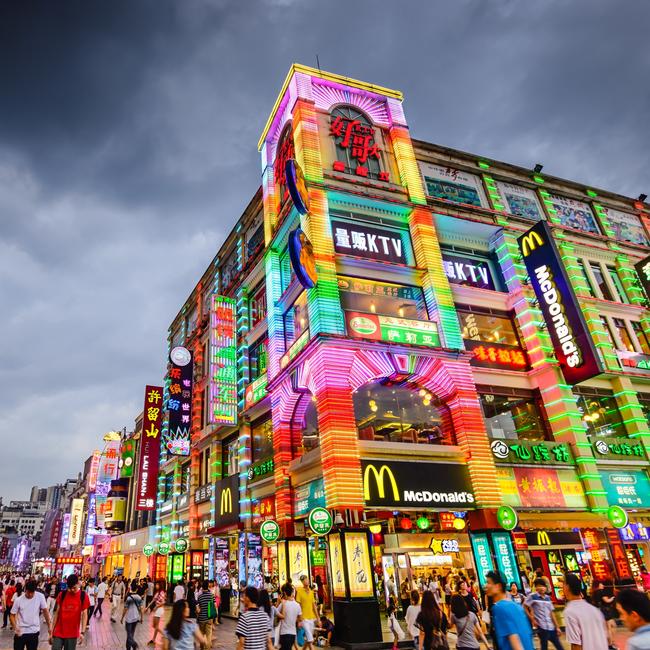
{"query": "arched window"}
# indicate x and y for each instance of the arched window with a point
(356, 140)
(284, 151)
(305, 425)
(401, 412)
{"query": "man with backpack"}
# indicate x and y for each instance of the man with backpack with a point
(132, 614)
(70, 616)
(207, 612)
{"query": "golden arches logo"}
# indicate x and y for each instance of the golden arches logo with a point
(543, 538)
(530, 241)
(379, 481)
(225, 506)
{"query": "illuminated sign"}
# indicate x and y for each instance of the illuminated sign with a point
(91, 520)
(419, 485)
(320, 521)
(617, 516)
(357, 138)
(391, 329)
(309, 496)
(256, 391)
(147, 483)
(628, 489)
(619, 556)
(553, 538)
(505, 556)
(65, 531)
(507, 517)
(357, 553)
(483, 556)
(108, 468)
(634, 360)
(372, 243)
(440, 546)
(634, 532)
(496, 355)
(269, 531)
(226, 498)
(115, 510)
(223, 361)
(540, 487)
(203, 493)
(619, 449)
(528, 452)
(467, 271)
(260, 470)
(296, 184)
(127, 459)
(262, 510)
(179, 404)
(303, 262)
(91, 481)
(76, 513)
(572, 342)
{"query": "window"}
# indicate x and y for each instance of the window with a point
(228, 270)
(590, 289)
(256, 241)
(230, 456)
(296, 320)
(205, 400)
(618, 285)
(382, 298)
(168, 486)
(262, 433)
(365, 134)
(599, 412)
(257, 359)
(257, 305)
(516, 415)
(185, 477)
(399, 412)
(471, 269)
(204, 467)
(644, 401)
(608, 332)
(623, 335)
(601, 282)
(641, 336)
(286, 272)
(487, 327)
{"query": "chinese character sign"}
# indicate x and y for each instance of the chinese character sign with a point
(108, 466)
(336, 562)
(179, 404)
(223, 361)
(91, 479)
(147, 484)
(357, 137)
(358, 561)
(383, 244)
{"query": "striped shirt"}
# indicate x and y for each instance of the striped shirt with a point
(204, 601)
(253, 625)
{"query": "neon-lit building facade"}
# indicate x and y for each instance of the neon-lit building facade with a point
(423, 342)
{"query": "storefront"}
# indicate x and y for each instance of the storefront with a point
(636, 543)
(136, 563)
(114, 564)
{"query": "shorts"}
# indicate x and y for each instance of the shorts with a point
(308, 628)
(159, 613)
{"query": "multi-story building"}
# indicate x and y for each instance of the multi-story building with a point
(376, 346)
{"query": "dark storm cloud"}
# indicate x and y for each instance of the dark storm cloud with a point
(128, 136)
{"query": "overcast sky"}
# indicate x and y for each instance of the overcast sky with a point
(128, 135)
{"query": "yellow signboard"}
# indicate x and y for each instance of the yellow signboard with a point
(336, 565)
(358, 560)
(282, 563)
(297, 560)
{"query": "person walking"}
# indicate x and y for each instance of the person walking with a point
(511, 626)
(181, 632)
(603, 598)
(466, 623)
(26, 617)
(132, 614)
(634, 609)
(117, 596)
(541, 612)
(405, 594)
(515, 595)
(206, 613)
(432, 623)
(179, 591)
(411, 616)
(102, 588)
(290, 615)
(253, 625)
(8, 600)
(70, 616)
(158, 607)
(586, 628)
(91, 592)
(150, 590)
(305, 598)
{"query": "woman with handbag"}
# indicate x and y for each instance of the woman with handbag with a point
(466, 623)
(433, 623)
(393, 624)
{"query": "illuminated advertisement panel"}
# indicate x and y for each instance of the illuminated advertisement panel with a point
(76, 513)
(223, 361)
(149, 461)
(179, 404)
(108, 466)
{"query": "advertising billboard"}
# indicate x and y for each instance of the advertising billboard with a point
(223, 361)
(179, 404)
(76, 514)
(149, 461)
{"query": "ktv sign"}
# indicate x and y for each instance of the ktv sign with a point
(395, 484)
(571, 339)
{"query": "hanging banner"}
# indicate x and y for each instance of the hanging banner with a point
(91, 520)
(483, 556)
(91, 478)
(147, 480)
(65, 531)
(571, 339)
(127, 458)
(76, 514)
(108, 468)
(179, 404)
(506, 560)
(223, 361)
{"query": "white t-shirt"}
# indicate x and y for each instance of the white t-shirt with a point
(412, 612)
(291, 610)
(91, 591)
(179, 592)
(585, 625)
(102, 588)
(28, 612)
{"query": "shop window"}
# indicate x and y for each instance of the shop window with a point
(623, 335)
(618, 285)
(296, 320)
(262, 434)
(641, 337)
(357, 140)
(601, 283)
(257, 305)
(382, 298)
(230, 456)
(257, 359)
(185, 477)
(396, 412)
(487, 327)
(599, 413)
(516, 415)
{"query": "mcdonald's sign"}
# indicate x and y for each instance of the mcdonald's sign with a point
(415, 485)
(226, 496)
(572, 342)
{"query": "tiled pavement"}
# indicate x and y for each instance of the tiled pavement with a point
(105, 635)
